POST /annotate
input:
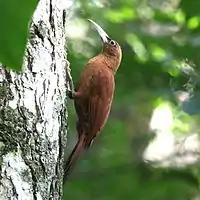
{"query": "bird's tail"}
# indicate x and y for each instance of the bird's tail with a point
(68, 166)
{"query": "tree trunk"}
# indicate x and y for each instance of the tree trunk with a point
(33, 111)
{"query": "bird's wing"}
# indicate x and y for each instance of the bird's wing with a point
(99, 102)
(97, 86)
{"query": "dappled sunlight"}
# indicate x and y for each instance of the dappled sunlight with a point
(162, 123)
(168, 148)
(77, 29)
(137, 46)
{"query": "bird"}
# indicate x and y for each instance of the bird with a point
(93, 95)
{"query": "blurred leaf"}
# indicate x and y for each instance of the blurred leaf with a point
(179, 16)
(158, 53)
(193, 22)
(191, 105)
(125, 13)
(137, 46)
(14, 18)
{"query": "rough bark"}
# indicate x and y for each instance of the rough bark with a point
(33, 111)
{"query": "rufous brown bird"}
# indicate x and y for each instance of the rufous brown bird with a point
(93, 95)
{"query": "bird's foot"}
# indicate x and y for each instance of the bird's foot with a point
(70, 94)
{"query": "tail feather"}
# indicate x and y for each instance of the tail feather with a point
(75, 154)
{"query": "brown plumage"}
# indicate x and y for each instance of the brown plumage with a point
(93, 95)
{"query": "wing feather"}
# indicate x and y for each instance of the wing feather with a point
(93, 109)
(100, 100)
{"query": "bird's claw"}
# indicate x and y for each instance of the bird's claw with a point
(70, 94)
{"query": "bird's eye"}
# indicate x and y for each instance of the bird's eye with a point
(112, 42)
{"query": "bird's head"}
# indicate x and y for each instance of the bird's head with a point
(111, 49)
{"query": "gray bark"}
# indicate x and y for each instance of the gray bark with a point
(33, 111)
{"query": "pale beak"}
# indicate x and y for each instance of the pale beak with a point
(104, 36)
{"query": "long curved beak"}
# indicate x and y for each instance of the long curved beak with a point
(104, 36)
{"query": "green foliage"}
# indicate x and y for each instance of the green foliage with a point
(160, 43)
(14, 18)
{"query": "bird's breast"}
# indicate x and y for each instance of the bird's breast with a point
(97, 80)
